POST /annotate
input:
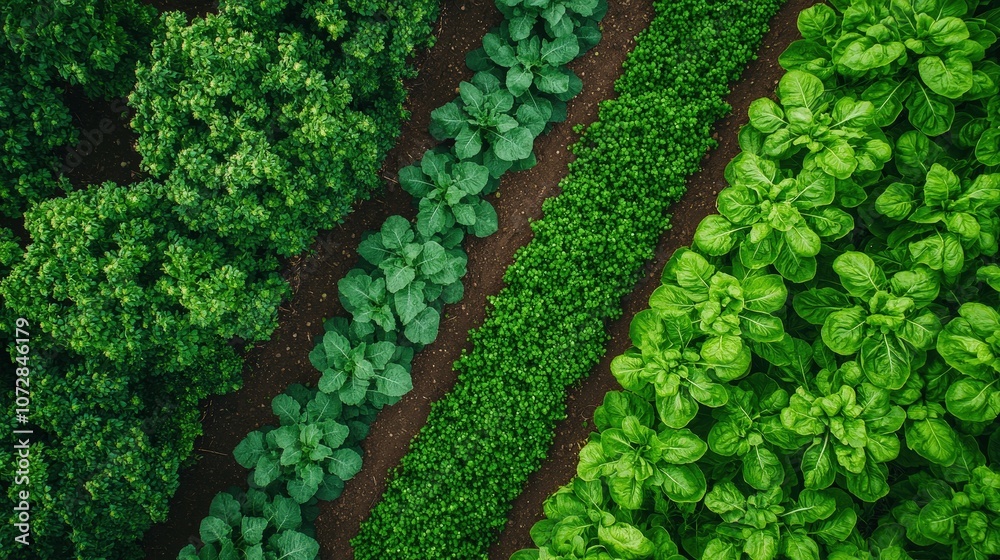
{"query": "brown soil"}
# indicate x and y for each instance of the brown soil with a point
(758, 80)
(272, 366)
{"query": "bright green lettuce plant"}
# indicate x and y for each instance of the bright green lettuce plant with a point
(836, 133)
(947, 220)
(769, 524)
(970, 344)
(885, 322)
(582, 521)
(774, 219)
(633, 455)
(749, 427)
(924, 56)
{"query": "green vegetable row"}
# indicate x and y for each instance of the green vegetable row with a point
(453, 489)
(816, 377)
(409, 271)
(140, 296)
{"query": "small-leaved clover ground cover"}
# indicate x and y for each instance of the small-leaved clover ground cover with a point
(860, 421)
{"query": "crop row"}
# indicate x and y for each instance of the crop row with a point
(273, 116)
(817, 377)
(452, 491)
(409, 271)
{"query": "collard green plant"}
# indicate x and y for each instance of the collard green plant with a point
(253, 525)
(560, 18)
(485, 119)
(307, 452)
(358, 368)
(536, 62)
(414, 277)
(449, 193)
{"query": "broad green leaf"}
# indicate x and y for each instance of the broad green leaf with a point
(250, 450)
(292, 545)
(625, 540)
(887, 96)
(973, 400)
(793, 267)
(716, 235)
(885, 361)
(345, 463)
(988, 147)
(560, 51)
(799, 89)
(819, 467)
(949, 77)
(468, 142)
(681, 446)
(934, 440)
(937, 521)
(512, 145)
(871, 484)
(286, 409)
(424, 327)
(843, 330)
(859, 274)
(214, 530)
(678, 410)
(766, 115)
(394, 381)
(929, 112)
(817, 304)
(683, 483)
(762, 469)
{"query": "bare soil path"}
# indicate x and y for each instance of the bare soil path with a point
(272, 366)
(758, 80)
